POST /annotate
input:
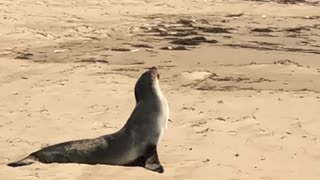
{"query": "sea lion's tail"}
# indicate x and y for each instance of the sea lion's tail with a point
(23, 162)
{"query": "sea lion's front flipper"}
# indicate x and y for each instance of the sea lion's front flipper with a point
(149, 160)
(153, 163)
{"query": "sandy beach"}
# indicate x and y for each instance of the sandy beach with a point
(242, 79)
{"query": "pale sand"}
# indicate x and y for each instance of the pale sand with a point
(246, 107)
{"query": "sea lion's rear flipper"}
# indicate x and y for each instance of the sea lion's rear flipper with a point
(153, 163)
(23, 162)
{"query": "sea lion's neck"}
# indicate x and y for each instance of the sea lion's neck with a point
(156, 89)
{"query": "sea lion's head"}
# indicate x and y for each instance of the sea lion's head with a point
(147, 84)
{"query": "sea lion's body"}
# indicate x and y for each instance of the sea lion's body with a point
(135, 144)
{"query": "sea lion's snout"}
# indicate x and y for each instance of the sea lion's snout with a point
(154, 72)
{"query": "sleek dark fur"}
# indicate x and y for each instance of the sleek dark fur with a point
(132, 141)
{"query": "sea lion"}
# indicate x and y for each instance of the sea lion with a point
(135, 144)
